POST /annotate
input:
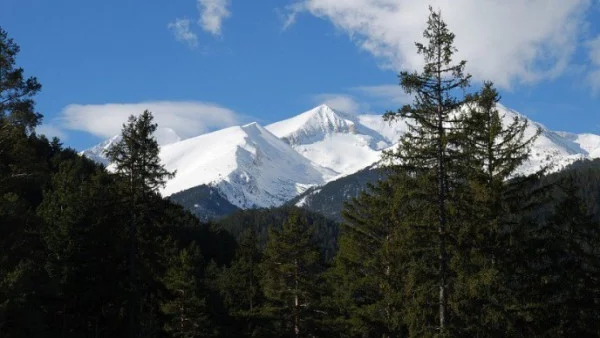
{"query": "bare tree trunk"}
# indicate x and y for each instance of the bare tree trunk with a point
(133, 299)
(441, 197)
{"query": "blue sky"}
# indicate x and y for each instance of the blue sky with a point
(208, 64)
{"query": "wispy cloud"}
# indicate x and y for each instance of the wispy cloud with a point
(594, 56)
(212, 14)
(51, 131)
(510, 41)
(183, 33)
(187, 119)
(341, 102)
(387, 95)
(361, 99)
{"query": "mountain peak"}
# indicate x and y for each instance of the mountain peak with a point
(324, 108)
(312, 125)
(250, 166)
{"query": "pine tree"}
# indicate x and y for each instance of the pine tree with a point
(564, 267)
(135, 156)
(428, 152)
(491, 153)
(22, 172)
(16, 91)
(186, 309)
(136, 160)
(82, 235)
(240, 287)
(367, 276)
(289, 269)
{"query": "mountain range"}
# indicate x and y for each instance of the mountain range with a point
(252, 166)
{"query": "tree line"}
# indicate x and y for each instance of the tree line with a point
(451, 243)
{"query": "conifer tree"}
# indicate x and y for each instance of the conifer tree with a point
(186, 310)
(136, 160)
(367, 276)
(83, 236)
(428, 151)
(240, 287)
(21, 174)
(16, 91)
(289, 269)
(491, 152)
(563, 293)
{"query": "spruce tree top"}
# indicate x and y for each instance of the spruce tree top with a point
(16, 91)
(136, 154)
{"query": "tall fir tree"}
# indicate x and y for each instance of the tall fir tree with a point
(186, 309)
(22, 172)
(239, 285)
(491, 151)
(290, 267)
(562, 293)
(83, 235)
(428, 151)
(17, 107)
(136, 160)
(366, 277)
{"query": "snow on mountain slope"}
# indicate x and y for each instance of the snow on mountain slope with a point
(590, 143)
(550, 149)
(250, 166)
(163, 136)
(390, 131)
(333, 139)
(312, 126)
(97, 152)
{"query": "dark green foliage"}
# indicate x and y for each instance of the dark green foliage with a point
(491, 208)
(135, 156)
(83, 235)
(569, 259)
(23, 172)
(367, 275)
(429, 151)
(186, 309)
(240, 287)
(290, 268)
(556, 277)
(136, 160)
(16, 91)
(324, 235)
(66, 232)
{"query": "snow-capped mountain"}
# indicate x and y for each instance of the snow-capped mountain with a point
(249, 165)
(342, 142)
(97, 152)
(252, 166)
(550, 148)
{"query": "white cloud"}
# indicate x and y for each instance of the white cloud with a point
(51, 131)
(363, 98)
(187, 119)
(505, 41)
(341, 102)
(183, 33)
(386, 94)
(212, 14)
(594, 55)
